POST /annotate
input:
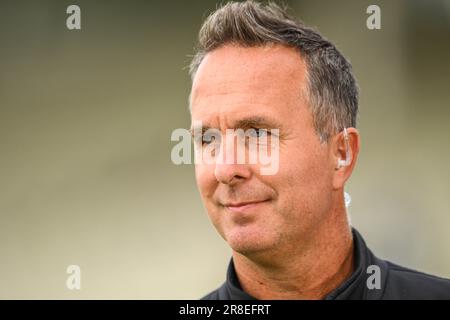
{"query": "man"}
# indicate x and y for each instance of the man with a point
(258, 68)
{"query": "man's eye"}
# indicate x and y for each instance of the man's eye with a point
(259, 133)
(208, 138)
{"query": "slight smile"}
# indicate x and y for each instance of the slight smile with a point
(243, 206)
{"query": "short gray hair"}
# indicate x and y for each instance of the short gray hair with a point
(331, 91)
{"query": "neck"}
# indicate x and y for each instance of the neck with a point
(316, 268)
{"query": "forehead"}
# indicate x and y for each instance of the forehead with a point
(234, 81)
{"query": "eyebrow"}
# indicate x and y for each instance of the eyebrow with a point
(256, 122)
(259, 122)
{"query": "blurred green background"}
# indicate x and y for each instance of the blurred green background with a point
(85, 124)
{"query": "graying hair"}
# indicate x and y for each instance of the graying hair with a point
(331, 92)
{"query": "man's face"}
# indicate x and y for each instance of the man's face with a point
(234, 84)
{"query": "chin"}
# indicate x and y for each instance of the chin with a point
(248, 241)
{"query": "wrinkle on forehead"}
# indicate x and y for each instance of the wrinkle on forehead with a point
(233, 83)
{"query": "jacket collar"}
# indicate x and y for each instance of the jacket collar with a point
(355, 287)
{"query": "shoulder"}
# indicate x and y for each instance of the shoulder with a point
(213, 295)
(218, 294)
(405, 283)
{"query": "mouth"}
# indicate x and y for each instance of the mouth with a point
(244, 206)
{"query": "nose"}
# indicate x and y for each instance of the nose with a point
(231, 173)
(227, 169)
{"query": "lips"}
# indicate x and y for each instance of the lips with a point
(243, 206)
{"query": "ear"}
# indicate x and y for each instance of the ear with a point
(345, 150)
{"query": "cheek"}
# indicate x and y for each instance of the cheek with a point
(304, 163)
(207, 185)
(304, 175)
(206, 182)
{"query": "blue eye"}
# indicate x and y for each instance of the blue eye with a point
(209, 137)
(203, 139)
(259, 133)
